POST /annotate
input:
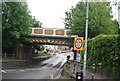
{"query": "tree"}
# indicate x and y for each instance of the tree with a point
(36, 23)
(100, 19)
(15, 23)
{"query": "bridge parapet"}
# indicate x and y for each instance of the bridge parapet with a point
(51, 32)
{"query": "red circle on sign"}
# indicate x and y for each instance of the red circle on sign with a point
(78, 43)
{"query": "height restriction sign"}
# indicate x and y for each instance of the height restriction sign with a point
(78, 43)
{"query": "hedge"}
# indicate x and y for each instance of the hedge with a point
(105, 49)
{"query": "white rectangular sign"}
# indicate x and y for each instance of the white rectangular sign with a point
(78, 57)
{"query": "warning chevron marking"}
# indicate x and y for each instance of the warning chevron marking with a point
(37, 40)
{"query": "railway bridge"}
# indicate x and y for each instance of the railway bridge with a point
(51, 36)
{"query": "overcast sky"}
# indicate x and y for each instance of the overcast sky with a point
(51, 12)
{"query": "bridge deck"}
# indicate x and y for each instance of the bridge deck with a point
(52, 40)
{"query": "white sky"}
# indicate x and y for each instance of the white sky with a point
(51, 12)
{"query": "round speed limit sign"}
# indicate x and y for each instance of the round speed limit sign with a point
(78, 43)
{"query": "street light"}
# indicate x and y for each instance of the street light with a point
(86, 36)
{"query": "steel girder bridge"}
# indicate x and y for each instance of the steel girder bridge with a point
(51, 36)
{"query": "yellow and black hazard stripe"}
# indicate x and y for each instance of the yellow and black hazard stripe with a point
(41, 41)
(33, 40)
(37, 40)
(44, 41)
(50, 41)
(56, 42)
(63, 42)
(59, 42)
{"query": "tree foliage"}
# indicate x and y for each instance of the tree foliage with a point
(16, 19)
(36, 23)
(100, 19)
(105, 49)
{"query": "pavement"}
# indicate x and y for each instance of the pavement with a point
(73, 68)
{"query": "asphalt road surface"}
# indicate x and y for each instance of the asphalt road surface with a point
(48, 69)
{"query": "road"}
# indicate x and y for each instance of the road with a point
(48, 69)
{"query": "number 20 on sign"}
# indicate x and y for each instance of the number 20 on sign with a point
(78, 43)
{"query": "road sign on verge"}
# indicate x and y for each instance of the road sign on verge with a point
(78, 43)
(78, 57)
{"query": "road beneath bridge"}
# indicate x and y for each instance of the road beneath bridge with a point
(48, 69)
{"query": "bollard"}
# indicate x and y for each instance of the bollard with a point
(79, 76)
(81, 66)
(92, 76)
(74, 69)
(93, 71)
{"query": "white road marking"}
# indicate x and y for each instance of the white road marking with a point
(30, 69)
(44, 67)
(33, 69)
(11, 70)
(3, 71)
(22, 70)
(38, 68)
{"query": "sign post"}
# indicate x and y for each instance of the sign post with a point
(78, 45)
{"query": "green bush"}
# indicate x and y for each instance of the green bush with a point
(105, 49)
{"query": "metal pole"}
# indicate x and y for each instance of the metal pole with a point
(78, 60)
(86, 35)
(80, 56)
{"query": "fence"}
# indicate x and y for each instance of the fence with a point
(23, 52)
(13, 56)
(8, 55)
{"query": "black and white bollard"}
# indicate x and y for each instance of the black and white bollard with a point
(79, 76)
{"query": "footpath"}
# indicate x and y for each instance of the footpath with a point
(70, 69)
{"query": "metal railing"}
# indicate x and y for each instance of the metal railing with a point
(5, 55)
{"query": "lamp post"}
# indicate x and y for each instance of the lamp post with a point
(86, 36)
